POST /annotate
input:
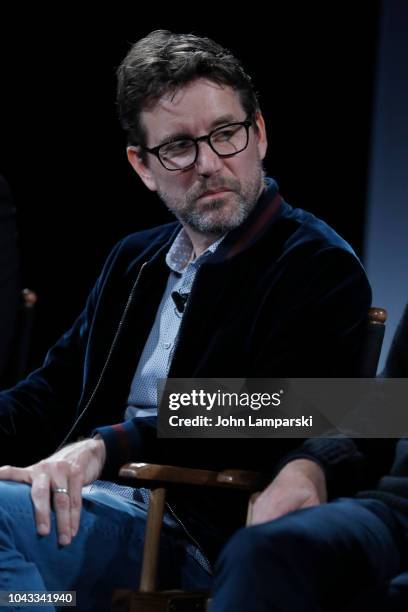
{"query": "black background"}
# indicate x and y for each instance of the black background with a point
(63, 153)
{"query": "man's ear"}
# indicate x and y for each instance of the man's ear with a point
(260, 132)
(135, 160)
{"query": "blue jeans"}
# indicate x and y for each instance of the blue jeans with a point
(105, 554)
(345, 555)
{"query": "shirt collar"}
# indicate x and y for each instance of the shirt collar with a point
(179, 254)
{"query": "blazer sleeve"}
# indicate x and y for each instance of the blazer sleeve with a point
(322, 337)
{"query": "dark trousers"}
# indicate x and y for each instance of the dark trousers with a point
(345, 555)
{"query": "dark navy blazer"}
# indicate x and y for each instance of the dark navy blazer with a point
(283, 296)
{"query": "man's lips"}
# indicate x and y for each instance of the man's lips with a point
(215, 192)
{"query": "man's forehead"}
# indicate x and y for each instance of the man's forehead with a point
(196, 105)
(175, 97)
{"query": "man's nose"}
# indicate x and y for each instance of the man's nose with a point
(207, 161)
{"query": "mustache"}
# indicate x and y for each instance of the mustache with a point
(230, 184)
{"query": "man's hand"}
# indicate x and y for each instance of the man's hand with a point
(300, 484)
(69, 469)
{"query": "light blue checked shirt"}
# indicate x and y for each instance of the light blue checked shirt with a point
(158, 351)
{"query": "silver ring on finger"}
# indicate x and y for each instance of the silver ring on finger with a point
(61, 490)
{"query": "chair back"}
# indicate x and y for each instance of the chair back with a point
(17, 368)
(370, 354)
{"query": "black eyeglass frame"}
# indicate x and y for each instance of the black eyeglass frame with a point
(207, 138)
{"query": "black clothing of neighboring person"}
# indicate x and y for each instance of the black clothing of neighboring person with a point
(9, 273)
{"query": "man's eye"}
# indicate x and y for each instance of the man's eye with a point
(226, 134)
(180, 146)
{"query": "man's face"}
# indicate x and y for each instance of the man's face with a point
(215, 194)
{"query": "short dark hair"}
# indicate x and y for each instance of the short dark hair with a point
(163, 62)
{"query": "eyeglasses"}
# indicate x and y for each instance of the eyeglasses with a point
(225, 141)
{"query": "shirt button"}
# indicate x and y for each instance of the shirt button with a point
(166, 345)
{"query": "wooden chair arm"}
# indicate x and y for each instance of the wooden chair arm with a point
(167, 474)
(158, 478)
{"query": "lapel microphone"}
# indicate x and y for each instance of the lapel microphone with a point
(179, 300)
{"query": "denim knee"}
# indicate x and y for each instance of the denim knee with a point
(15, 498)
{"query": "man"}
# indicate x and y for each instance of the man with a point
(349, 555)
(241, 285)
(9, 273)
(345, 555)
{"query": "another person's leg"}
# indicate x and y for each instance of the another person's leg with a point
(311, 560)
(105, 554)
(391, 596)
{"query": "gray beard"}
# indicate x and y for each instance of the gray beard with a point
(205, 223)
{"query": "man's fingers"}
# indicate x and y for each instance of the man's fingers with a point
(76, 482)
(40, 494)
(62, 506)
(9, 472)
(265, 511)
(57, 482)
(67, 501)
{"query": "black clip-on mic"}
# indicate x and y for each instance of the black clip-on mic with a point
(180, 300)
